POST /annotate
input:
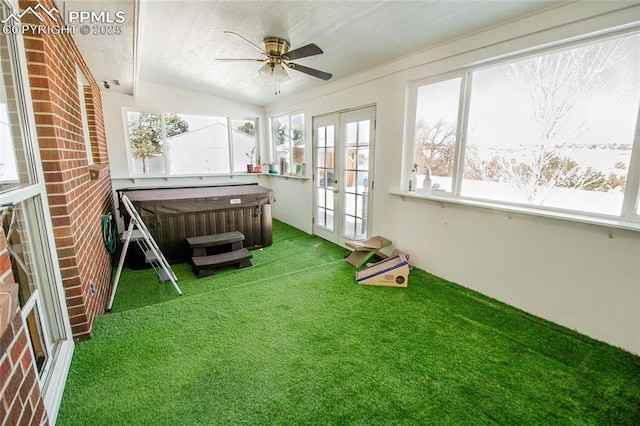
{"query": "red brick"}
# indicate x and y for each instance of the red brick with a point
(15, 412)
(5, 369)
(19, 346)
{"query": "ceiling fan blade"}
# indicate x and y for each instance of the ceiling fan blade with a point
(260, 49)
(239, 60)
(304, 51)
(311, 71)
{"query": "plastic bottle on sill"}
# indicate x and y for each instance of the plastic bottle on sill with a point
(413, 179)
(426, 186)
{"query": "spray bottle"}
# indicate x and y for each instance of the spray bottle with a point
(426, 186)
(413, 179)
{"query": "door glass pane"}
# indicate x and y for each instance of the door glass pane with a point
(351, 133)
(362, 182)
(321, 195)
(435, 132)
(360, 206)
(363, 132)
(15, 170)
(350, 204)
(356, 160)
(324, 177)
(321, 217)
(322, 157)
(330, 135)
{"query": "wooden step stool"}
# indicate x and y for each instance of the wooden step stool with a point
(225, 250)
(204, 266)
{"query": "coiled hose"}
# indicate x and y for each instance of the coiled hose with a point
(109, 233)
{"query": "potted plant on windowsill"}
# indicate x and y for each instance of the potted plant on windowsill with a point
(250, 156)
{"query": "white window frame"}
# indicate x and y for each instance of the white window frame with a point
(290, 158)
(630, 212)
(49, 296)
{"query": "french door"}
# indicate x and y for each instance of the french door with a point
(343, 170)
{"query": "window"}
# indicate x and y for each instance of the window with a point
(435, 131)
(25, 252)
(553, 130)
(243, 137)
(146, 143)
(25, 223)
(196, 144)
(15, 169)
(183, 144)
(287, 137)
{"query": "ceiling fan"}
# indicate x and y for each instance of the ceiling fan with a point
(278, 57)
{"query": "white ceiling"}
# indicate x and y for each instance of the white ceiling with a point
(176, 42)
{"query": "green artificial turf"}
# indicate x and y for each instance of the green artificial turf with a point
(294, 340)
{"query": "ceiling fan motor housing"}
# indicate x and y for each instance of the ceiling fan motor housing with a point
(276, 47)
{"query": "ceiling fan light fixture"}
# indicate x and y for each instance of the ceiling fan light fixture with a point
(279, 73)
(267, 70)
(274, 71)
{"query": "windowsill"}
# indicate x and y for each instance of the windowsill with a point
(554, 214)
(288, 176)
(97, 171)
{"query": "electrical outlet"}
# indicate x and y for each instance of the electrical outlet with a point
(92, 287)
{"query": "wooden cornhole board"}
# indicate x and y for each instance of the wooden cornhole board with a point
(364, 250)
(391, 272)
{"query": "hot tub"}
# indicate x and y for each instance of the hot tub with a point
(174, 214)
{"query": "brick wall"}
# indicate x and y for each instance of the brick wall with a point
(77, 202)
(20, 398)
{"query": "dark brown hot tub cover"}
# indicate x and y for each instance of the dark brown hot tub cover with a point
(198, 199)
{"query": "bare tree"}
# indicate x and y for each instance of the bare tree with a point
(434, 146)
(555, 84)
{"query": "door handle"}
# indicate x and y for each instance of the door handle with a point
(335, 190)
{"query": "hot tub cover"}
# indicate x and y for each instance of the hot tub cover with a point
(198, 199)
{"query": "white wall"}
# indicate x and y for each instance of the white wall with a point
(585, 277)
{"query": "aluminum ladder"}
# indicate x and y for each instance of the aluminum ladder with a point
(138, 232)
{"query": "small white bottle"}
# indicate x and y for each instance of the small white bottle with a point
(413, 179)
(426, 186)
